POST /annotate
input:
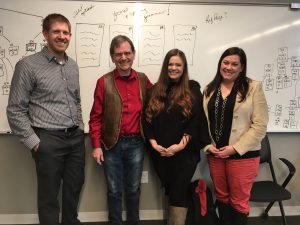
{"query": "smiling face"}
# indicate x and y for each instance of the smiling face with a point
(123, 58)
(175, 68)
(58, 38)
(231, 68)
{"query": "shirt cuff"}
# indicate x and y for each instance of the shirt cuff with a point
(238, 150)
(31, 141)
(96, 143)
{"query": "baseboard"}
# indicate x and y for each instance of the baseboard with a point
(144, 215)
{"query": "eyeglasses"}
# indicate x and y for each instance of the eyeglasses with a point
(120, 54)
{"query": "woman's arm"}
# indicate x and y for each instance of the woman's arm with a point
(258, 123)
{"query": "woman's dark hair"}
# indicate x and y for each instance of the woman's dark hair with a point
(241, 84)
(52, 18)
(180, 94)
(117, 41)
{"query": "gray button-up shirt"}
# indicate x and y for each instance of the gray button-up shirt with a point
(44, 93)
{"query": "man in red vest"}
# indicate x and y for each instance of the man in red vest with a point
(115, 130)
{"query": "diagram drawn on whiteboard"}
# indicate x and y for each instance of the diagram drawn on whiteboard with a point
(11, 51)
(279, 78)
(88, 38)
(185, 40)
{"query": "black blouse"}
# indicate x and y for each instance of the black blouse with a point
(169, 126)
(226, 123)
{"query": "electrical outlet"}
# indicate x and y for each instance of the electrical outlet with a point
(144, 178)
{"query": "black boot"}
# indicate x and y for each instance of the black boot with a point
(225, 212)
(239, 218)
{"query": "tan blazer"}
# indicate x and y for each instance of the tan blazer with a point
(250, 119)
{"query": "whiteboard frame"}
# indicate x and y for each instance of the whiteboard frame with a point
(224, 2)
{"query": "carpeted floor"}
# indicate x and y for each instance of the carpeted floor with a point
(291, 220)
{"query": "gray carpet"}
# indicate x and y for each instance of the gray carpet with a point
(291, 220)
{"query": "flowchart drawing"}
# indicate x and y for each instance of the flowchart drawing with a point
(11, 50)
(279, 79)
(16, 42)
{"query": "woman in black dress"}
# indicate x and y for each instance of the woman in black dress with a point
(176, 128)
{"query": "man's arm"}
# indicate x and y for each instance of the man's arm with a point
(18, 102)
(95, 122)
(79, 108)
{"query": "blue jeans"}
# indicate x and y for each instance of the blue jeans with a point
(123, 165)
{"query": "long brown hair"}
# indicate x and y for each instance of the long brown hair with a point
(180, 94)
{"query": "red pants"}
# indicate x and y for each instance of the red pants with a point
(233, 180)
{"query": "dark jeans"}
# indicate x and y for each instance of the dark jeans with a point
(59, 158)
(123, 165)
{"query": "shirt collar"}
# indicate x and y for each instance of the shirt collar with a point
(133, 74)
(50, 56)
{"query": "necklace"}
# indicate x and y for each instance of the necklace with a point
(219, 130)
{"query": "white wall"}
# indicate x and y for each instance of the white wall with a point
(18, 183)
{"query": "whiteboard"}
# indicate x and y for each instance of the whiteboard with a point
(269, 35)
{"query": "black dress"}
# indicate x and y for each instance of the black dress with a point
(168, 128)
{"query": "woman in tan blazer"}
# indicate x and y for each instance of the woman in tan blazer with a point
(237, 115)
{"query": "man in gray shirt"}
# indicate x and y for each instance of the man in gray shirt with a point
(44, 111)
